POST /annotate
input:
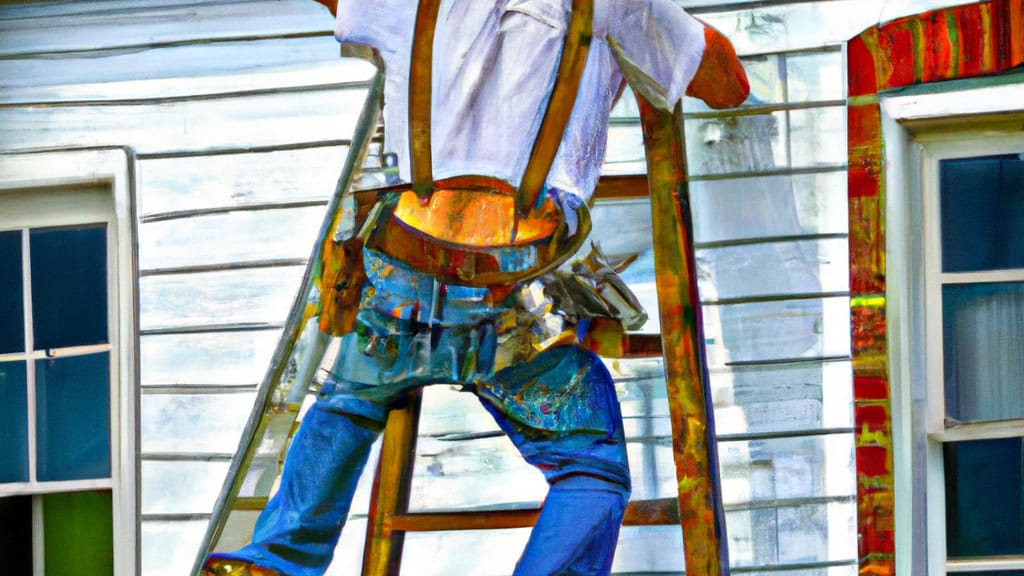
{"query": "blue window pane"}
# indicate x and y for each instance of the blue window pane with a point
(69, 286)
(984, 498)
(16, 528)
(982, 213)
(13, 422)
(12, 315)
(983, 351)
(73, 417)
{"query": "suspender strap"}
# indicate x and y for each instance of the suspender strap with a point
(556, 117)
(563, 97)
(420, 91)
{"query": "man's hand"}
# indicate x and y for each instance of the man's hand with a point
(720, 80)
(332, 5)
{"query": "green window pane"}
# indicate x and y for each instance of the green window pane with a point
(12, 315)
(16, 528)
(984, 498)
(73, 417)
(13, 422)
(982, 213)
(69, 286)
(79, 534)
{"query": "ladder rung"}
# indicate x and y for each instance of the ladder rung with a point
(662, 512)
(616, 187)
(641, 345)
(250, 504)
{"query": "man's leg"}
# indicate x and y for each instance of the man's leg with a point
(297, 531)
(561, 411)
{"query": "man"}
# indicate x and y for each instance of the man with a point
(494, 68)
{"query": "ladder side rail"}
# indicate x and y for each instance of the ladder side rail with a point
(297, 316)
(392, 485)
(694, 448)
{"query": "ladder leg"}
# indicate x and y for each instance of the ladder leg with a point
(382, 555)
(693, 430)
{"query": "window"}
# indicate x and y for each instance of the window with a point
(974, 274)
(66, 468)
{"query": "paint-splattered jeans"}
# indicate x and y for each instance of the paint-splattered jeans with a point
(559, 409)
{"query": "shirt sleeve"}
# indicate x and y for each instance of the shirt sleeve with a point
(383, 25)
(658, 47)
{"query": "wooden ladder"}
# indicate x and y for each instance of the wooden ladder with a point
(680, 344)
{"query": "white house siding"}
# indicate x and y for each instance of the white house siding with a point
(238, 114)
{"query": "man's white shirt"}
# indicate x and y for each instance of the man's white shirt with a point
(494, 65)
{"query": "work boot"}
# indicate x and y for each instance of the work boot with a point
(227, 567)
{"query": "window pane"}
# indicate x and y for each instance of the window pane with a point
(13, 422)
(815, 77)
(817, 137)
(625, 150)
(984, 497)
(761, 537)
(761, 399)
(780, 330)
(775, 268)
(793, 26)
(737, 144)
(983, 346)
(782, 468)
(79, 534)
(69, 287)
(621, 227)
(982, 213)
(12, 315)
(73, 417)
(15, 525)
(769, 206)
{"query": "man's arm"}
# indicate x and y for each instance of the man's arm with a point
(354, 50)
(665, 53)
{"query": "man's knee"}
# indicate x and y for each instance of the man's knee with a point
(587, 483)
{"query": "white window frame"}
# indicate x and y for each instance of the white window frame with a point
(919, 131)
(61, 188)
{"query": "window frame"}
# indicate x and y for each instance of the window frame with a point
(51, 188)
(921, 128)
(935, 149)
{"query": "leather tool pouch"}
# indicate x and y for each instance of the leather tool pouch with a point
(343, 278)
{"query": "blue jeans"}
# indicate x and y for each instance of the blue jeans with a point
(559, 409)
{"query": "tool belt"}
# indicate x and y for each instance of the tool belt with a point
(468, 233)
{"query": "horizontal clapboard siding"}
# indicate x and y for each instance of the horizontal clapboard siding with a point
(239, 114)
